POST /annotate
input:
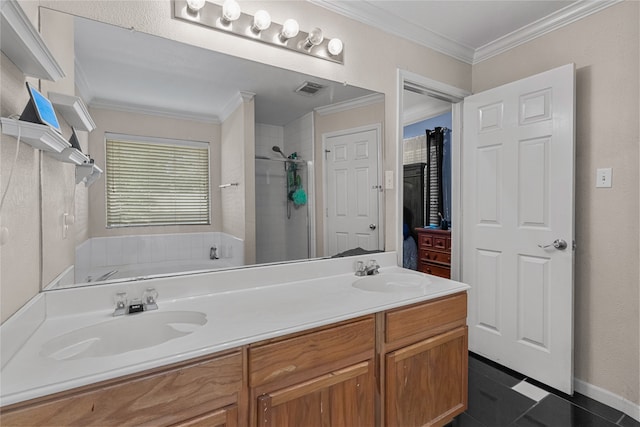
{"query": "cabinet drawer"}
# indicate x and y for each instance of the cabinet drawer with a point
(425, 240)
(436, 270)
(287, 359)
(426, 319)
(434, 240)
(435, 256)
(159, 398)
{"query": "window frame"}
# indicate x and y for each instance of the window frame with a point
(151, 140)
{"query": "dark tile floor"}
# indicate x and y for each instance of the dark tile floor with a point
(493, 403)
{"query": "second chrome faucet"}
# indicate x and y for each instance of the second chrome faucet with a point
(369, 269)
(148, 302)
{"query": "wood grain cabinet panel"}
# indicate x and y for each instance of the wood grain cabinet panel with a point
(293, 358)
(343, 398)
(426, 383)
(426, 319)
(323, 378)
(161, 397)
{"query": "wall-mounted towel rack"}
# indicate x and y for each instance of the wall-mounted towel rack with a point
(231, 184)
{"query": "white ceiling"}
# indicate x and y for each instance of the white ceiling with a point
(131, 71)
(469, 30)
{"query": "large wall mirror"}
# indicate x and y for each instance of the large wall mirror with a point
(263, 131)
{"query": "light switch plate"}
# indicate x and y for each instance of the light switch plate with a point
(388, 180)
(603, 177)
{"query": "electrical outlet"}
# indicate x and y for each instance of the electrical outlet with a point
(603, 177)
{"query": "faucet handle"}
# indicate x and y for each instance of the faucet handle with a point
(360, 268)
(121, 304)
(121, 300)
(150, 297)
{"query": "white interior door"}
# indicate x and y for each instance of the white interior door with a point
(517, 199)
(353, 191)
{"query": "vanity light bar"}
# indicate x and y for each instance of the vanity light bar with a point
(210, 16)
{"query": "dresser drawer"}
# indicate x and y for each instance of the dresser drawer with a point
(426, 319)
(435, 256)
(434, 269)
(434, 239)
(290, 358)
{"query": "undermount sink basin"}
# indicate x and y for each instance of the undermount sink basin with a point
(123, 334)
(392, 282)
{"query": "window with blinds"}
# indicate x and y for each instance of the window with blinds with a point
(153, 181)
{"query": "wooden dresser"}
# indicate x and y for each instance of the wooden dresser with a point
(434, 251)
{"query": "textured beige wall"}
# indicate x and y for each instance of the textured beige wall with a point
(327, 123)
(58, 178)
(162, 127)
(605, 49)
(20, 214)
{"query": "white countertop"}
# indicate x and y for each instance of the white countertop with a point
(252, 313)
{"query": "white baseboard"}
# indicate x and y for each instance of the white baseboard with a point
(608, 398)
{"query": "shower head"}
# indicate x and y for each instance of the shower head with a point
(278, 150)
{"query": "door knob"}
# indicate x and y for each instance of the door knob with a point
(559, 244)
(372, 226)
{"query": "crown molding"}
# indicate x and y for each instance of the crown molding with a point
(377, 18)
(338, 107)
(234, 103)
(558, 19)
(141, 109)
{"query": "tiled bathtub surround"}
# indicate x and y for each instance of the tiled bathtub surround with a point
(147, 253)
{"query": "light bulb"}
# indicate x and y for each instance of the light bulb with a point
(335, 47)
(261, 21)
(195, 5)
(314, 38)
(230, 10)
(290, 29)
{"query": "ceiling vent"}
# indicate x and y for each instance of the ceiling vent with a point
(309, 88)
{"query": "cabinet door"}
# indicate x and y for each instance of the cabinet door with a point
(426, 383)
(343, 398)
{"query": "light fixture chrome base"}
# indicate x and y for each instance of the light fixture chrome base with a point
(211, 16)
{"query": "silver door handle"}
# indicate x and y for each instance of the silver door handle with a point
(372, 226)
(558, 244)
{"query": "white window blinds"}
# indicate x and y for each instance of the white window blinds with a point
(156, 181)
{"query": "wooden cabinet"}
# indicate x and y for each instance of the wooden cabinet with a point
(434, 251)
(322, 378)
(202, 392)
(425, 363)
(403, 367)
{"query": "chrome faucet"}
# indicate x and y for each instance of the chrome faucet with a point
(148, 302)
(370, 269)
(213, 253)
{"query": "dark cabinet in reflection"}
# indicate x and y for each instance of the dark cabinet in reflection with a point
(414, 194)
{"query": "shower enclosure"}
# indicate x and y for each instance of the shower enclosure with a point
(284, 192)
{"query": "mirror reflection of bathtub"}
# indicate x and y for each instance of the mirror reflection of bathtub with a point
(114, 259)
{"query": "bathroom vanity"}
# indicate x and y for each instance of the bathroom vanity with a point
(339, 350)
